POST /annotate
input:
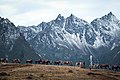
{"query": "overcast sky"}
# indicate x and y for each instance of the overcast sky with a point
(33, 12)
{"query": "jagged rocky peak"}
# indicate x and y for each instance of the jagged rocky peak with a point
(72, 17)
(107, 28)
(60, 17)
(77, 20)
(105, 20)
(5, 22)
(110, 13)
(59, 20)
(110, 16)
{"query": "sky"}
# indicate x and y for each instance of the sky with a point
(33, 12)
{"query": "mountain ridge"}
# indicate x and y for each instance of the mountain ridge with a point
(13, 43)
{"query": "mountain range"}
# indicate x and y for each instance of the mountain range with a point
(63, 38)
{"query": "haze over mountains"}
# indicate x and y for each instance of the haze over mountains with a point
(68, 38)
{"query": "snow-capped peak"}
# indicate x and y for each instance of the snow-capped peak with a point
(110, 16)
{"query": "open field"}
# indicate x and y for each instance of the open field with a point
(52, 72)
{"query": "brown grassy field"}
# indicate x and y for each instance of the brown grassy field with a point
(52, 72)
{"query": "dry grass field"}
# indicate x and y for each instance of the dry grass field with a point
(52, 72)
